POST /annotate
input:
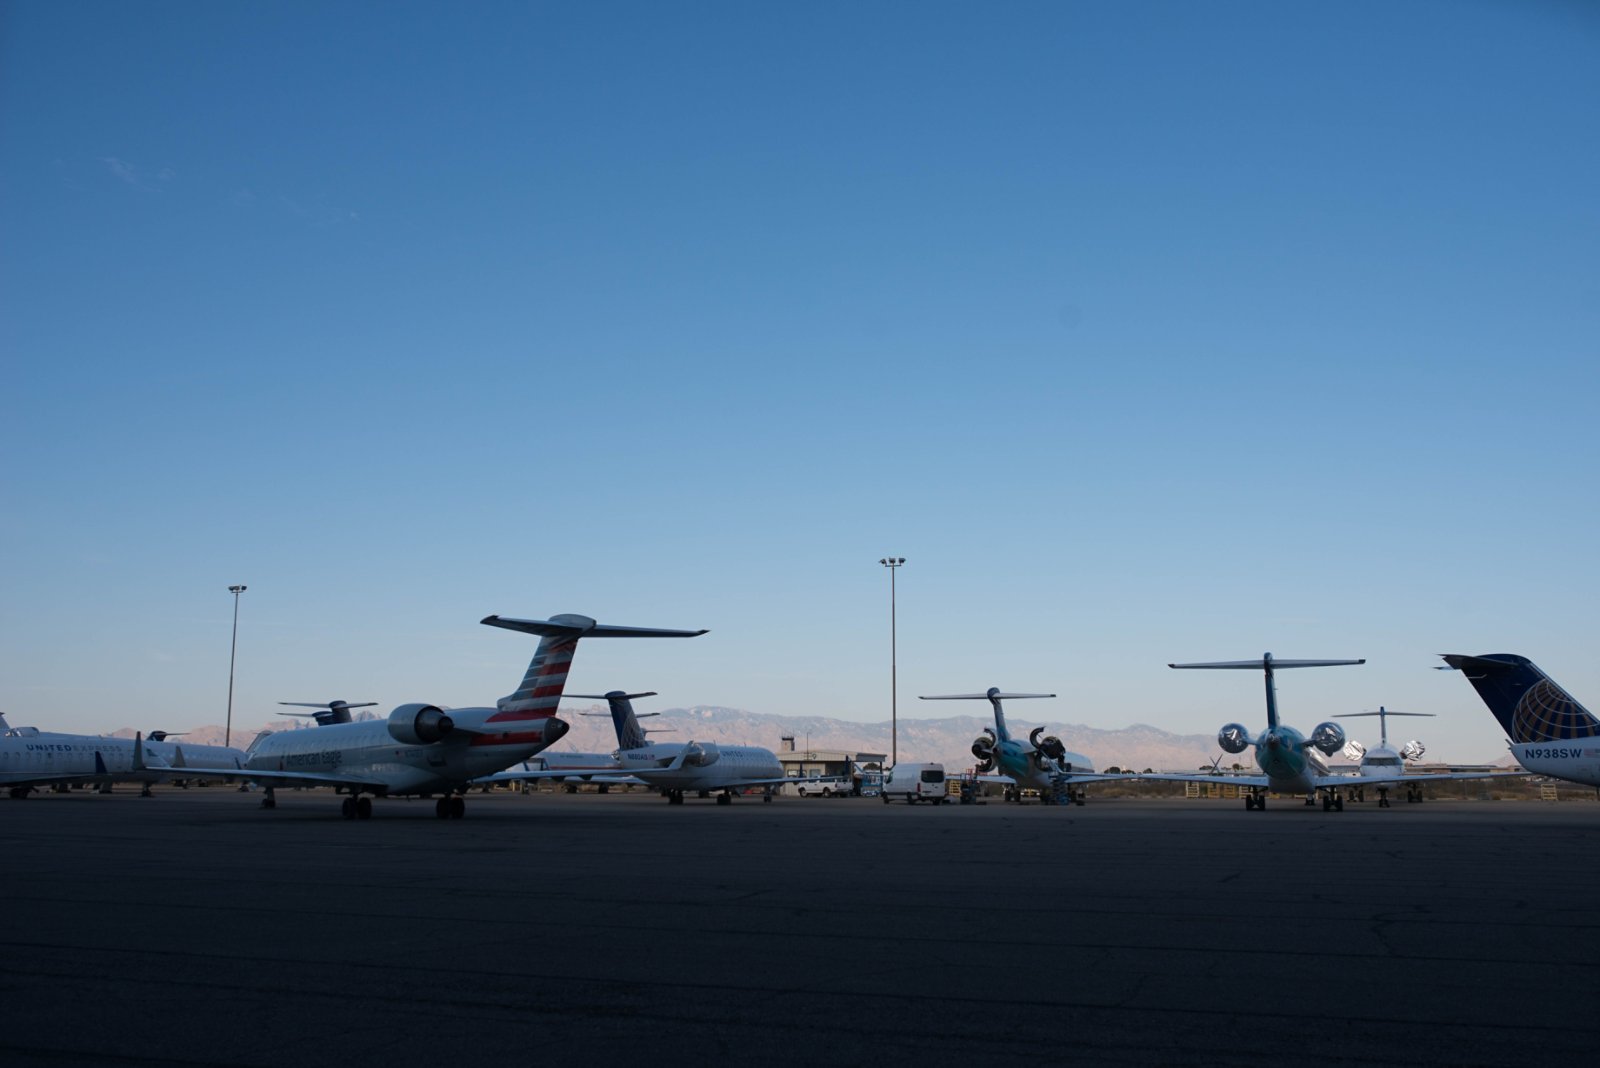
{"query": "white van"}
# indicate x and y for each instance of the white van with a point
(915, 782)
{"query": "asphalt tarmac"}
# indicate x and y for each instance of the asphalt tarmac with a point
(194, 928)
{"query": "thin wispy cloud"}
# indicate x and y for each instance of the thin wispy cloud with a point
(136, 176)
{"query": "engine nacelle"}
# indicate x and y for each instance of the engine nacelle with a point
(983, 747)
(1412, 750)
(1328, 738)
(1049, 745)
(700, 754)
(419, 724)
(1234, 738)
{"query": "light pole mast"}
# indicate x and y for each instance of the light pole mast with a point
(892, 563)
(233, 651)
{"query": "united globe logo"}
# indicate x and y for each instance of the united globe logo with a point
(1547, 713)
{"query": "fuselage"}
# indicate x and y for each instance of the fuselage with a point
(733, 764)
(1015, 760)
(1285, 758)
(33, 756)
(1576, 759)
(369, 751)
(1382, 762)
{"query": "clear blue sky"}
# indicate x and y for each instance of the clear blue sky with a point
(1145, 331)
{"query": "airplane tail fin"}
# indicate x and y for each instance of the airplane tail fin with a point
(546, 676)
(1526, 701)
(629, 734)
(994, 695)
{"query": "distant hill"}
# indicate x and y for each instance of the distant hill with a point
(946, 741)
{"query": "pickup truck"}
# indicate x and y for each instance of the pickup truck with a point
(822, 787)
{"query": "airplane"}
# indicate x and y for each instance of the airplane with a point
(675, 768)
(31, 759)
(1550, 733)
(1041, 764)
(430, 750)
(1384, 761)
(328, 712)
(1292, 762)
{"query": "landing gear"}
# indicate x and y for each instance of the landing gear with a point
(357, 808)
(144, 791)
(1256, 799)
(18, 793)
(268, 800)
(674, 797)
(1413, 793)
(450, 808)
(348, 808)
(724, 798)
(766, 795)
(1383, 797)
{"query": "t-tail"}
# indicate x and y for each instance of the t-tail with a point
(546, 677)
(994, 695)
(1267, 665)
(1526, 701)
(629, 734)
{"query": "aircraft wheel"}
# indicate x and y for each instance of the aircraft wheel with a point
(348, 808)
(1249, 802)
(724, 799)
(269, 802)
(1261, 803)
(767, 797)
(363, 808)
(1338, 804)
(458, 807)
(441, 808)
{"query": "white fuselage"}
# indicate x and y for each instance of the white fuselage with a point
(1576, 760)
(31, 756)
(734, 764)
(368, 751)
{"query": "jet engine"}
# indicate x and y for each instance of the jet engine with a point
(1234, 738)
(700, 754)
(1328, 738)
(1049, 745)
(983, 748)
(419, 724)
(1412, 750)
(1354, 751)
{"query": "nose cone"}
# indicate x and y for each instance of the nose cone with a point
(555, 729)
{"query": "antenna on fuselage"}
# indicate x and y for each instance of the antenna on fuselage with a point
(1267, 666)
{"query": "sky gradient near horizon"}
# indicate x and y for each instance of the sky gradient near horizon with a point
(1145, 332)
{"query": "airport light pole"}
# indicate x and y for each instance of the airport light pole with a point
(893, 563)
(233, 651)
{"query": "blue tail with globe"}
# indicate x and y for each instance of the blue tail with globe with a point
(1526, 701)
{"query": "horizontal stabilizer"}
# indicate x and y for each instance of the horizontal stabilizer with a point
(1274, 663)
(1358, 715)
(613, 695)
(991, 695)
(583, 627)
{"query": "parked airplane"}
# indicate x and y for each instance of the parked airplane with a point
(1384, 761)
(675, 768)
(328, 712)
(440, 750)
(1550, 732)
(1292, 762)
(1041, 764)
(31, 759)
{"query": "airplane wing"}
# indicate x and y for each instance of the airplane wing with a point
(1201, 776)
(605, 775)
(276, 778)
(1444, 776)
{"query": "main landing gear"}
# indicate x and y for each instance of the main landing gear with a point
(1413, 793)
(1332, 801)
(725, 798)
(357, 808)
(450, 808)
(674, 797)
(268, 800)
(1256, 799)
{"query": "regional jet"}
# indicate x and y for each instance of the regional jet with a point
(1291, 762)
(32, 758)
(1550, 732)
(431, 750)
(675, 768)
(1041, 764)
